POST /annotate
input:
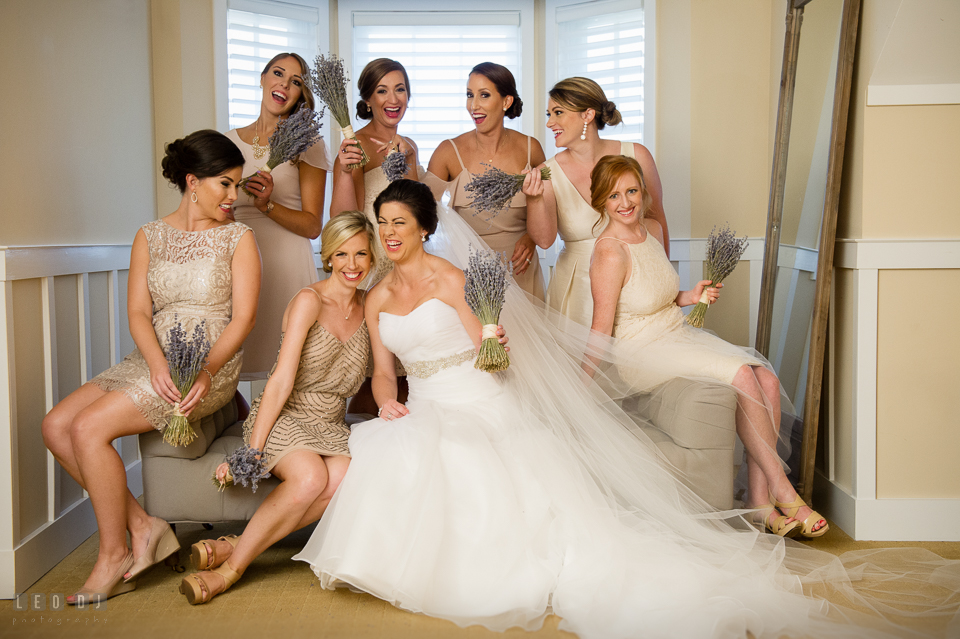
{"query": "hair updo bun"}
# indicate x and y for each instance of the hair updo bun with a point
(609, 114)
(363, 111)
(515, 109)
(204, 153)
(579, 94)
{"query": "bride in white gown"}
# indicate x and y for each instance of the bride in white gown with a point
(498, 499)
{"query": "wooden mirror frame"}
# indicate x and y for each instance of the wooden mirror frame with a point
(828, 224)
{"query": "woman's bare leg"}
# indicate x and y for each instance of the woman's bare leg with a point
(102, 473)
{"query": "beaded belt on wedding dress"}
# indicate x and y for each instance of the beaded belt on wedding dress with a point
(430, 367)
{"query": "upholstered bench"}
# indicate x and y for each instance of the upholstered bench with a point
(694, 425)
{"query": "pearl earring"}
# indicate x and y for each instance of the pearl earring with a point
(423, 238)
(330, 264)
(583, 136)
(193, 197)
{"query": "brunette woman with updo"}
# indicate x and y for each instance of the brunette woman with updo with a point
(491, 97)
(384, 94)
(578, 110)
(193, 267)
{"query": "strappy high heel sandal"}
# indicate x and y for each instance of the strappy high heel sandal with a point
(116, 586)
(792, 508)
(163, 543)
(780, 526)
(203, 554)
(198, 590)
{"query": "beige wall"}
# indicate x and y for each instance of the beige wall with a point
(899, 183)
(77, 104)
(911, 171)
(729, 116)
(184, 82)
(918, 367)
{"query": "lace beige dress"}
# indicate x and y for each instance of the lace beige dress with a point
(312, 418)
(190, 278)
(569, 289)
(648, 317)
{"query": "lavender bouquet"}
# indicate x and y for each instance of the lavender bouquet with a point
(186, 357)
(328, 80)
(395, 165)
(292, 137)
(246, 468)
(724, 250)
(493, 189)
(485, 289)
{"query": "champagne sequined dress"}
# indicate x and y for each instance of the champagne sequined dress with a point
(569, 289)
(312, 418)
(190, 278)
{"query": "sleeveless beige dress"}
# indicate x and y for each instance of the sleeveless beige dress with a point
(569, 289)
(648, 316)
(287, 257)
(502, 230)
(190, 279)
(312, 418)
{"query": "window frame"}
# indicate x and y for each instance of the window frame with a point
(220, 56)
(528, 80)
(552, 54)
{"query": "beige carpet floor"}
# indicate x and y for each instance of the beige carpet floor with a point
(275, 598)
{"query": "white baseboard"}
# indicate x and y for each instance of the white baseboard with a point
(887, 519)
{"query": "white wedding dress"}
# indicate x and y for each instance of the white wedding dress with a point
(502, 498)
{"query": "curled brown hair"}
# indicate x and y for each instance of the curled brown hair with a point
(579, 94)
(369, 79)
(505, 83)
(306, 97)
(603, 181)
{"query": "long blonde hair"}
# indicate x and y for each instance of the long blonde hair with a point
(604, 178)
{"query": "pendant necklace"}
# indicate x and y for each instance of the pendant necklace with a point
(258, 151)
(496, 149)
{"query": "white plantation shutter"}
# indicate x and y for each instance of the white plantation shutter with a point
(604, 41)
(438, 49)
(257, 30)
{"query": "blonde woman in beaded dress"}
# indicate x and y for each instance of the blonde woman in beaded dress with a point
(196, 267)
(637, 299)
(384, 93)
(578, 110)
(284, 207)
(298, 420)
(491, 97)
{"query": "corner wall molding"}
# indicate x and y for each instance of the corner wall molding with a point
(897, 254)
(912, 94)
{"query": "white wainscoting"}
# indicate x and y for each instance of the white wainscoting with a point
(27, 551)
(857, 510)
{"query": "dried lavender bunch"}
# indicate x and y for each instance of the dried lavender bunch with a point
(246, 468)
(484, 291)
(724, 250)
(328, 80)
(493, 189)
(395, 166)
(186, 357)
(292, 137)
